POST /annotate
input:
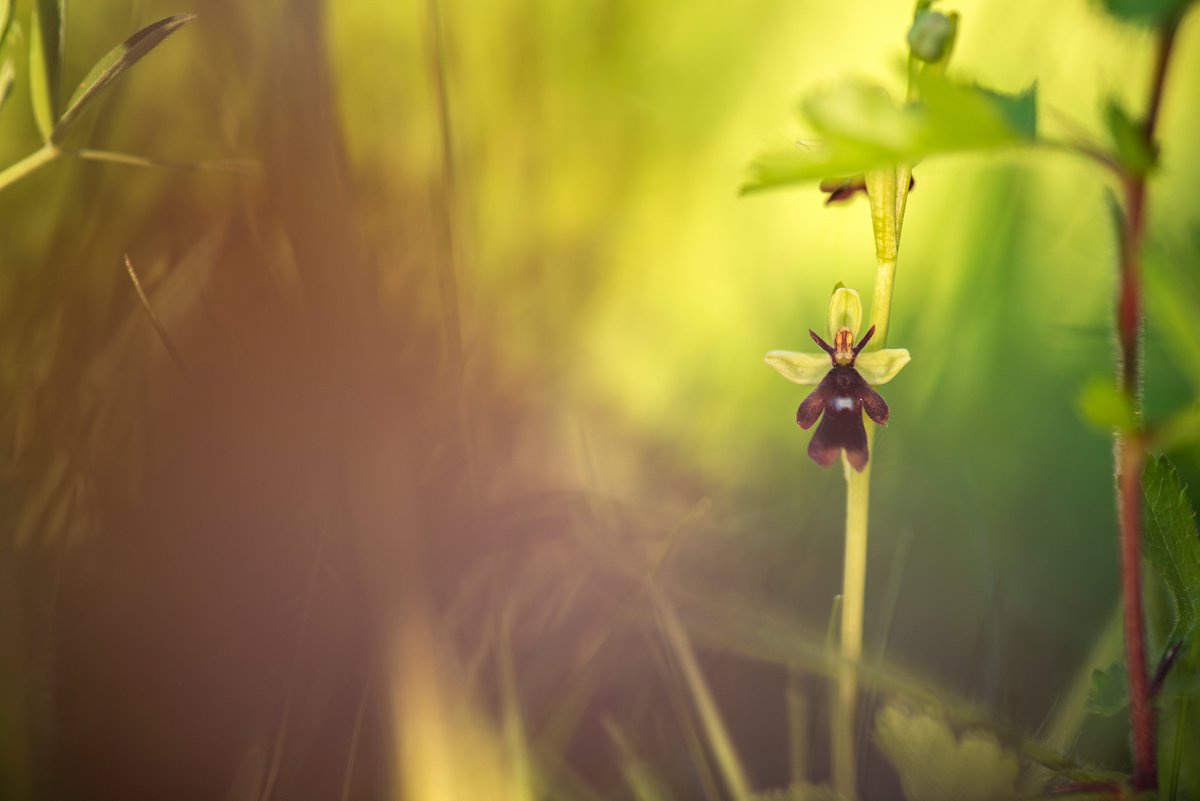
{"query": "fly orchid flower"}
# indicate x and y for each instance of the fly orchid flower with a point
(844, 388)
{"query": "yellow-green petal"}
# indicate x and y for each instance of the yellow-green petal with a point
(800, 368)
(845, 311)
(881, 366)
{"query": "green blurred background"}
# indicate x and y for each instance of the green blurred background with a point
(442, 411)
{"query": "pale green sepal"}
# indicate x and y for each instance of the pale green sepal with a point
(880, 366)
(800, 368)
(845, 311)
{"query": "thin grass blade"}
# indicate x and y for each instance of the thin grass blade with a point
(719, 740)
(8, 77)
(238, 166)
(638, 773)
(45, 62)
(6, 18)
(116, 63)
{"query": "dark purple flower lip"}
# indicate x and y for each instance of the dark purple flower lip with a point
(841, 397)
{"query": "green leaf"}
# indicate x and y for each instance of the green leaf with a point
(1018, 111)
(861, 129)
(45, 62)
(1181, 682)
(1134, 150)
(115, 64)
(1170, 542)
(799, 792)
(1151, 13)
(1110, 690)
(8, 77)
(6, 20)
(1106, 407)
(1179, 430)
(936, 765)
(1172, 296)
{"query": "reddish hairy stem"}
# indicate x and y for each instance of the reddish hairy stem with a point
(1131, 456)
(1130, 452)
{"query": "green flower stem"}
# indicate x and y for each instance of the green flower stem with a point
(888, 193)
(854, 591)
(31, 163)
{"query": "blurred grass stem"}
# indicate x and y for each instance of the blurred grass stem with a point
(159, 329)
(31, 163)
(49, 152)
(446, 208)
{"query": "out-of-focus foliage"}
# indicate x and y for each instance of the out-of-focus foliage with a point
(1151, 13)
(114, 64)
(45, 62)
(1134, 153)
(1106, 407)
(499, 390)
(1110, 690)
(860, 128)
(935, 764)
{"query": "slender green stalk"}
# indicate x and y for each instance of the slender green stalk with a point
(239, 166)
(854, 590)
(51, 152)
(719, 741)
(31, 163)
(888, 193)
(159, 328)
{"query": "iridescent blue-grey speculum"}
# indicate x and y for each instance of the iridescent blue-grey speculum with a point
(842, 396)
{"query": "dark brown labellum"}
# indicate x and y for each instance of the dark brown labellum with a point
(842, 396)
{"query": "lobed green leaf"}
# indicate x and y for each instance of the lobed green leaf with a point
(115, 64)
(861, 129)
(1151, 13)
(45, 62)
(1110, 690)
(1170, 542)
(936, 764)
(799, 792)
(1135, 152)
